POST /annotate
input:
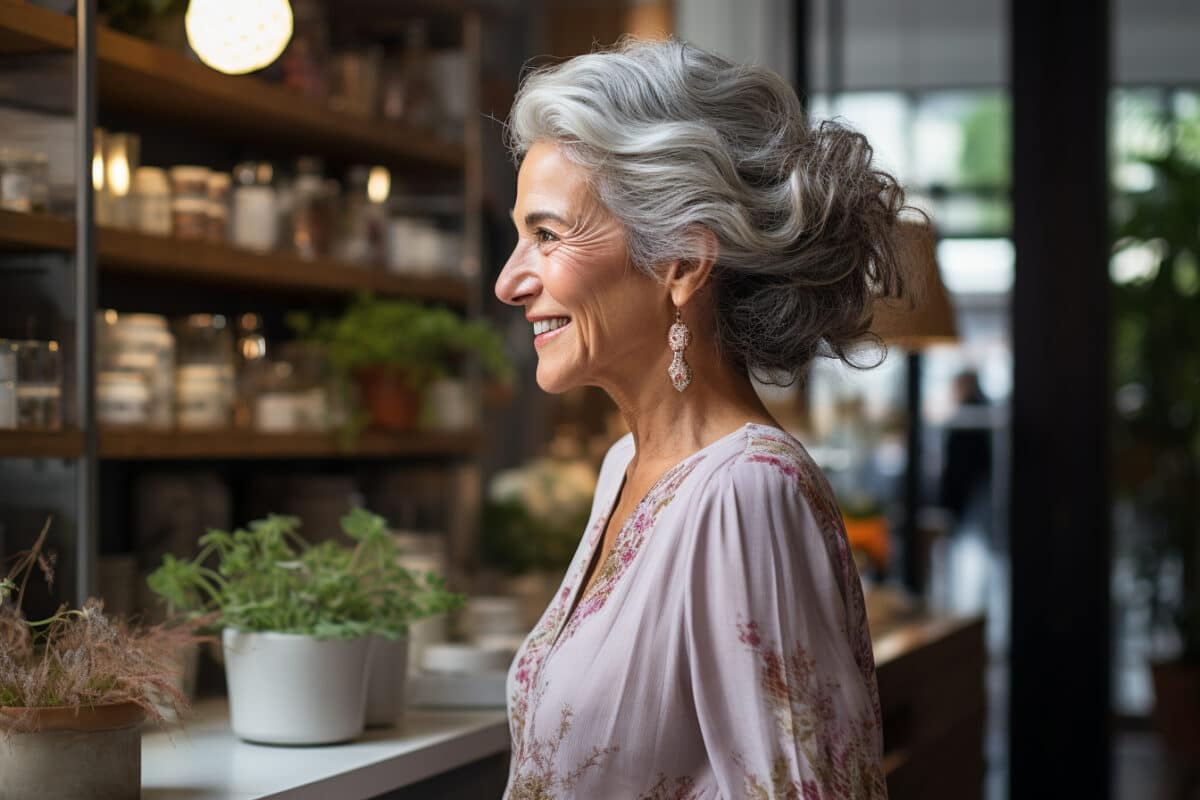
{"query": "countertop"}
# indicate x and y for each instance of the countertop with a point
(204, 760)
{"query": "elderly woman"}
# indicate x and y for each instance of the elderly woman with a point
(681, 228)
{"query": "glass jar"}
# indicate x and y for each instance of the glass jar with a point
(143, 344)
(16, 179)
(122, 398)
(153, 196)
(219, 194)
(39, 384)
(255, 223)
(207, 339)
(200, 398)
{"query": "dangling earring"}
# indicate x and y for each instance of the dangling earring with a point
(679, 338)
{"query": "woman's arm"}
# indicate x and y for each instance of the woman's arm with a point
(785, 706)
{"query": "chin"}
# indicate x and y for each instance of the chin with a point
(553, 381)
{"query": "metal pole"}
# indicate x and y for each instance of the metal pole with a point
(86, 505)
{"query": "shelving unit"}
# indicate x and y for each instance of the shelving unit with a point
(241, 445)
(124, 252)
(135, 75)
(170, 92)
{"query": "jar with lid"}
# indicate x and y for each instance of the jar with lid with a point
(219, 193)
(122, 398)
(39, 384)
(309, 237)
(207, 339)
(255, 222)
(142, 343)
(250, 355)
(152, 193)
(355, 242)
(16, 179)
(200, 398)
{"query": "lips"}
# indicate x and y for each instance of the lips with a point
(546, 329)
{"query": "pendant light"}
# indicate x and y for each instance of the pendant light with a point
(238, 36)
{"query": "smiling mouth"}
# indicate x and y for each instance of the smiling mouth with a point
(545, 329)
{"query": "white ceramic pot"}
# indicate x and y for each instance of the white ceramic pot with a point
(286, 688)
(385, 687)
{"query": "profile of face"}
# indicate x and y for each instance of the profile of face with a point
(596, 319)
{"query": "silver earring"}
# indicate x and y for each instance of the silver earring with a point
(679, 338)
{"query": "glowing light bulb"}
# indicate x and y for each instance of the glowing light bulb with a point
(118, 172)
(379, 184)
(238, 36)
(98, 170)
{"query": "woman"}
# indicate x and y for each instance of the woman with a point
(680, 228)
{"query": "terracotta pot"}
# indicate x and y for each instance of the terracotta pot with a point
(390, 402)
(1177, 707)
(74, 754)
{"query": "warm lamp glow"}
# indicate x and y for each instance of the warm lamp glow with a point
(118, 172)
(238, 36)
(925, 316)
(379, 184)
(97, 170)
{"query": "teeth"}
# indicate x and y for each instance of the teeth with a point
(543, 325)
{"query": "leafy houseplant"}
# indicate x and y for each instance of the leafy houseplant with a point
(298, 619)
(79, 671)
(393, 349)
(1157, 426)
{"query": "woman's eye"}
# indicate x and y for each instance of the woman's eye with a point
(543, 236)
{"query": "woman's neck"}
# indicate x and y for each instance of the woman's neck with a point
(669, 425)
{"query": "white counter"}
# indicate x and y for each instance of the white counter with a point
(205, 761)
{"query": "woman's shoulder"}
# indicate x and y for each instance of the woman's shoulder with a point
(765, 464)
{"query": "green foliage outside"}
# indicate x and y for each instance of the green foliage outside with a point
(1156, 371)
(269, 578)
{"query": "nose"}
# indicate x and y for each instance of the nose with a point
(519, 282)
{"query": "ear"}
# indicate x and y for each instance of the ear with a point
(685, 278)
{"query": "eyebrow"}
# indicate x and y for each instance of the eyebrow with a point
(534, 217)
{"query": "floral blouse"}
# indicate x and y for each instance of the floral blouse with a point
(722, 651)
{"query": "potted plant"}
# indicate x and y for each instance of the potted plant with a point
(400, 598)
(298, 621)
(393, 349)
(1156, 368)
(533, 519)
(75, 689)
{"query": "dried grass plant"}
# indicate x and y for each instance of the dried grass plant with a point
(80, 657)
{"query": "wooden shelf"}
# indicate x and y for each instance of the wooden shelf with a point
(251, 445)
(130, 253)
(35, 232)
(41, 444)
(144, 79)
(123, 252)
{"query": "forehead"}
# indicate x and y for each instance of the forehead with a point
(546, 175)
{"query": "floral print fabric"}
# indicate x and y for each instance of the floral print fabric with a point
(722, 651)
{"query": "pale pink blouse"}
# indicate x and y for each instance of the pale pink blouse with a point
(722, 652)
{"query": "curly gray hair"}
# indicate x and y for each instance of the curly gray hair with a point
(675, 137)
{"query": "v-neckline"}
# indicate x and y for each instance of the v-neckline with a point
(578, 595)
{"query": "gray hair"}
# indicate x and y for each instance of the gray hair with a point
(675, 137)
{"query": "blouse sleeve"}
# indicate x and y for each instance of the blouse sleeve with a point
(786, 704)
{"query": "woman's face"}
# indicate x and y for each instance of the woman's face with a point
(594, 316)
